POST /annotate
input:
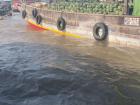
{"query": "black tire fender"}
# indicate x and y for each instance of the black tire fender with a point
(61, 24)
(24, 14)
(39, 19)
(100, 31)
(34, 12)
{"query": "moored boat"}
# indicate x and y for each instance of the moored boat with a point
(122, 29)
(5, 8)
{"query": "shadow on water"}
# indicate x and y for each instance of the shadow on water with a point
(38, 68)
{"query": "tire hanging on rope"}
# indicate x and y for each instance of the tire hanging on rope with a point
(100, 31)
(24, 14)
(39, 19)
(34, 12)
(61, 24)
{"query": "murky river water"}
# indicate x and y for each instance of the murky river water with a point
(40, 68)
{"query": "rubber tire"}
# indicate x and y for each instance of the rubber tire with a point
(24, 14)
(38, 19)
(96, 28)
(61, 24)
(34, 12)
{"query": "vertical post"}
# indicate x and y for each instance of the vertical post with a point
(126, 7)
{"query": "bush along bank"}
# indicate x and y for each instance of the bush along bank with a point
(88, 7)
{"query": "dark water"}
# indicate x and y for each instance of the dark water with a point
(40, 68)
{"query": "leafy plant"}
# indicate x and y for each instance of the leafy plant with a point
(87, 6)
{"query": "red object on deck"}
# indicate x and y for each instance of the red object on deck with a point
(17, 3)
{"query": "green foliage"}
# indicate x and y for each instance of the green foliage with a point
(87, 6)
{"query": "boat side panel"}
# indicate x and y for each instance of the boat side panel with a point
(81, 25)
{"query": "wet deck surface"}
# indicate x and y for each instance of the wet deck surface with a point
(40, 68)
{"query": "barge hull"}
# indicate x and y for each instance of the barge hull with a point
(122, 30)
(114, 38)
